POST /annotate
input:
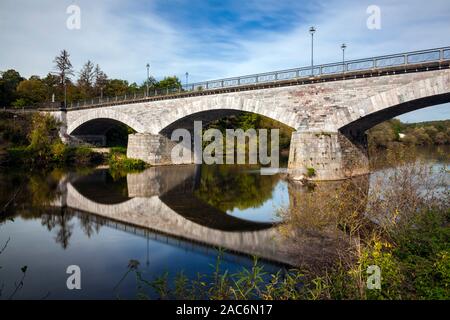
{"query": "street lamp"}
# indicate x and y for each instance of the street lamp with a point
(312, 30)
(65, 93)
(187, 79)
(148, 76)
(343, 47)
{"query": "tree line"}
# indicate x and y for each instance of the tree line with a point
(394, 131)
(89, 82)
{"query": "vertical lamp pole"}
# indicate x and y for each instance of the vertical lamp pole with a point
(312, 30)
(187, 79)
(65, 93)
(343, 47)
(148, 77)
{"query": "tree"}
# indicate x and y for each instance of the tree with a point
(86, 79)
(51, 82)
(441, 138)
(101, 79)
(32, 91)
(382, 135)
(8, 83)
(116, 87)
(169, 82)
(87, 75)
(64, 69)
(63, 66)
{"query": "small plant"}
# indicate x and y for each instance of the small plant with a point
(310, 172)
(119, 161)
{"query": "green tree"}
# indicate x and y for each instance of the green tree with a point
(101, 79)
(32, 91)
(116, 87)
(168, 82)
(86, 79)
(382, 135)
(9, 81)
(64, 70)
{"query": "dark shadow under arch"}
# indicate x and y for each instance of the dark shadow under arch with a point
(360, 126)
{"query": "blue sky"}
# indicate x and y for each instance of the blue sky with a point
(214, 39)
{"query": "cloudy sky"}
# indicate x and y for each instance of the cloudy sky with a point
(215, 39)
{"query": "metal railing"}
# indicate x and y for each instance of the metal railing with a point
(373, 64)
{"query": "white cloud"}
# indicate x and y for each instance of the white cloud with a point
(123, 38)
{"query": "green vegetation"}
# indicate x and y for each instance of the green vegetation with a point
(402, 227)
(118, 161)
(425, 133)
(92, 82)
(310, 172)
(242, 191)
(34, 141)
(246, 120)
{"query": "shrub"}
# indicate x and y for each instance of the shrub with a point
(118, 161)
(310, 172)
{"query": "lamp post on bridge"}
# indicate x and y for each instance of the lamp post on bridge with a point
(65, 93)
(148, 77)
(187, 79)
(312, 30)
(343, 47)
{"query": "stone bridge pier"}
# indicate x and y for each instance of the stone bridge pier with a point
(154, 149)
(323, 155)
(313, 155)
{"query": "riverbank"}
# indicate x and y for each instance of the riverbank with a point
(32, 141)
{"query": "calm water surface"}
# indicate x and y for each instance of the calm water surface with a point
(169, 219)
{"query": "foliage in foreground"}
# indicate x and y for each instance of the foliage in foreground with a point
(417, 266)
(45, 147)
(402, 226)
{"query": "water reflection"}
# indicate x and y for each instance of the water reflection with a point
(170, 219)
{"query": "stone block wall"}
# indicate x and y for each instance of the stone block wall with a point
(328, 155)
(154, 149)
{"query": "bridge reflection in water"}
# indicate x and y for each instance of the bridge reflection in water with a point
(169, 204)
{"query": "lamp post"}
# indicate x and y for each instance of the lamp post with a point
(312, 30)
(343, 47)
(65, 93)
(187, 79)
(148, 77)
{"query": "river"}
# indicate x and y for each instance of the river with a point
(169, 219)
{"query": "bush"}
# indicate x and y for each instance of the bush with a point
(118, 161)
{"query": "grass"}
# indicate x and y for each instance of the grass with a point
(118, 161)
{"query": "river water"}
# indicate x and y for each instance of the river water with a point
(168, 219)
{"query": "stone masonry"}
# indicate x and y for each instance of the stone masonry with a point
(330, 117)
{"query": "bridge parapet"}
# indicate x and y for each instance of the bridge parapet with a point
(415, 61)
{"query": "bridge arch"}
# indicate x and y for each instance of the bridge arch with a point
(394, 102)
(187, 121)
(108, 114)
(223, 105)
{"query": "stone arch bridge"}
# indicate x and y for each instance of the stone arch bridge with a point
(329, 112)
